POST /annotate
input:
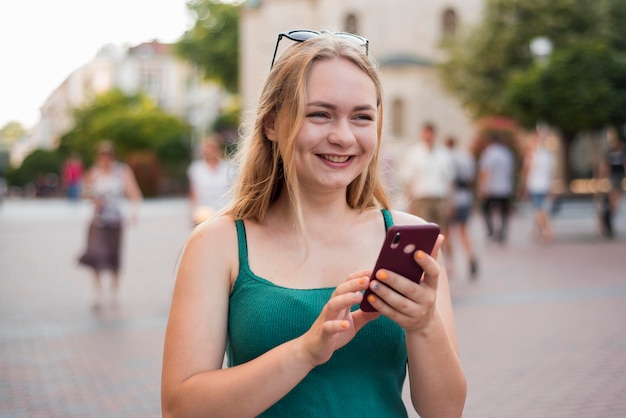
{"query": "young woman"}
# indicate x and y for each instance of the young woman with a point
(274, 283)
(107, 184)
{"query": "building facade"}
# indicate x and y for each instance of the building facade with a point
(151, 68)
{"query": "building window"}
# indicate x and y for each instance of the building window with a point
(449, 22)
(397, 117)
(150, 82)
(351, 24)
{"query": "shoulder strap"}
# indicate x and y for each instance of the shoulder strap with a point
(242, 243)
(388, 218)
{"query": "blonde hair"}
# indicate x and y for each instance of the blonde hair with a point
(263, 170)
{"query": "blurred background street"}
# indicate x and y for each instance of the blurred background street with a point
(541, 329)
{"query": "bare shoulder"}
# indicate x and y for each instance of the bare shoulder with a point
(405, 218)
(219, 232)
(211, 248)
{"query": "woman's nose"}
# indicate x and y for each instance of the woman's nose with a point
(341, 133)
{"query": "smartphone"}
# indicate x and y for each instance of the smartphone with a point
(396, 254)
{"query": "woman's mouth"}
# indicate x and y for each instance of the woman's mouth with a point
(335, 158)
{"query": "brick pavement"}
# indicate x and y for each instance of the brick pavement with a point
(541, 331)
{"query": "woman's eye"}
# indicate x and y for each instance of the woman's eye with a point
(318, 115)
(364, 117)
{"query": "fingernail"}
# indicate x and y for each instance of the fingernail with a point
(420, 254)
(381, 274)
(375, 286)
(371, 299)
(362, 280)
(344, 324)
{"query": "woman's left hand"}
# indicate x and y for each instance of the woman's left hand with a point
(410, 304)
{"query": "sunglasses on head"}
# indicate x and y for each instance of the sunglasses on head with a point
(302, 35)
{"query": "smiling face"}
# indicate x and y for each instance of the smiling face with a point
(338, 136)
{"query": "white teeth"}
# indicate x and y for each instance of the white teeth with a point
(336, 158)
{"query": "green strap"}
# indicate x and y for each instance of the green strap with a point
(242, 243)
(388, 218)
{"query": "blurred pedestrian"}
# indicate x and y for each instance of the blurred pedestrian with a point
(72, 176)
(274, 284)
(612, 168)
(461, 203)
(496, 170)
(428, 175)
(3, 186)
(538, 169)
(210, 179)
(107, 183)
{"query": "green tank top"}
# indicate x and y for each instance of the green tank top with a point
(362, 379)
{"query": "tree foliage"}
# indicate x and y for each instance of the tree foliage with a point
(151, 140)
(11, 132)
(213, 42)
(493, 72)
(583, 88)
(132, 122)
(37, 164)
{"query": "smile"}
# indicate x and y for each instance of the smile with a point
(335, 158)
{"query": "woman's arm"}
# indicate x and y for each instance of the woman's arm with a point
(193, 381)
(437, 381)
(132, 190)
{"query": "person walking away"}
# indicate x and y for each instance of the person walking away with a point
(612, 168)
(461, 203)
(428, 175)
(538, 168)
(210, 179)
(496, 168)
(107, 183)
(274, 282)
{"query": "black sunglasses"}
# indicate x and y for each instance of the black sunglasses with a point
(302, 35)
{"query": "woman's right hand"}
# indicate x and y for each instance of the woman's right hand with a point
(337, 325)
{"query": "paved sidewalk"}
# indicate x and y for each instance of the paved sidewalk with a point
(541, 331)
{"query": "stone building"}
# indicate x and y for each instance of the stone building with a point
(151, 67)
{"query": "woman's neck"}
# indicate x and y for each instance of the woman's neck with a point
(319, 212)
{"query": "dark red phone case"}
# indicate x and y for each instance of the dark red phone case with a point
(396, 254)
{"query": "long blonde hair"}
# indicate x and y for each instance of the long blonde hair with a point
(263, 170)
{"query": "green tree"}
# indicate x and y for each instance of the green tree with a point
(138, 128)
(9, 135)
(11, 132)
(482, 64)
(213, 42)
(587, 80)
(37, 164)
(579, 88)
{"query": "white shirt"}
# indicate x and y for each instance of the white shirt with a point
(498, 163)
(428, 172)
(540, 171)
(211, 186)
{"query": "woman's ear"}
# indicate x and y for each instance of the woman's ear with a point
(268, 128)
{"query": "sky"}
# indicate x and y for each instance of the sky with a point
(43, 41)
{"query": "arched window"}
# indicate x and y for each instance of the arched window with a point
(449, 22)
(397, 117)
(351, 24)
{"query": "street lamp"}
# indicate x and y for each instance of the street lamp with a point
(541, 49)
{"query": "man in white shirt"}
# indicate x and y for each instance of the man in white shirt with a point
(495, 185)
(428, 175)
(210, 180)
